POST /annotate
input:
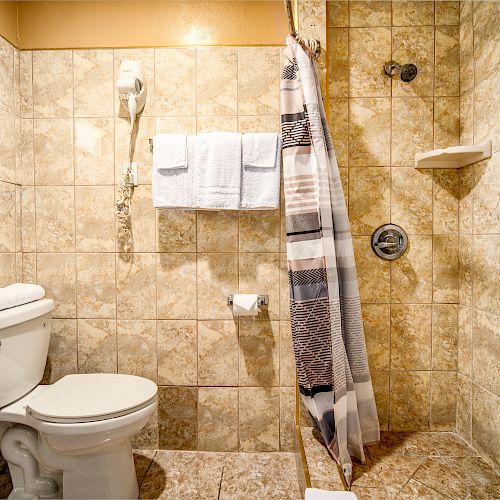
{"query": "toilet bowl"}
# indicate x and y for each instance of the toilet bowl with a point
(70, 439)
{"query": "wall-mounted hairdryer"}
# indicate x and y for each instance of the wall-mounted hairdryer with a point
(132, 88)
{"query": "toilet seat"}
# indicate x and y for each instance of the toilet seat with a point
(91, 398)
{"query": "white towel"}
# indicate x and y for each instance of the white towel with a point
(19, 294)
(174, 187)
(260, 185)
(218, 171)
(170, 151)
(317, 494)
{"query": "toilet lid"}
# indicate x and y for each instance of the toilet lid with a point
(92, 397)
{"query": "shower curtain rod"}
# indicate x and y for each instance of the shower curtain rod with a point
(310, 45)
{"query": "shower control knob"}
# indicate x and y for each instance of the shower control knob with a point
(389, 242)
(407, 72)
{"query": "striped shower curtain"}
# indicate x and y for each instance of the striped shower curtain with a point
(327, 328)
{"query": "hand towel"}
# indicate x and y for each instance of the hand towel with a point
(19, 294)
(259, 150)
(218, 171)
(170, 151)
(260, 186)
(174, 187)
(317, 494)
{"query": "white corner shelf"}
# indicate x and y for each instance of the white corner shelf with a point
(454, 157)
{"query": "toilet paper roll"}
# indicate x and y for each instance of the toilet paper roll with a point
(245, 304)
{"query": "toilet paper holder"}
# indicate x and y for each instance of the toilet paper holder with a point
(263, 300)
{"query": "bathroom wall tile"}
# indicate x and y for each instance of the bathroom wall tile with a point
(206, 124)
(7, 269)
(177, 352)
(339, 128)
(26, 172)
(369, 198)
(7, 147)
(444, 337)
(446, 122)
(218, 353)
(486, 43)
(137, 348)
(259, 231)
(146, 56)
(27, 222)
(217, 231)
(217, 277)
(380, 382)
(95, 219)
(411, 333)
(467, 179)
(177, 418)
(147, 439)
(445, 195)
(97, 346)
(464, 407)
(338, 48)
(143, 220)
(54, 157)
(176, 230)
(410, 398)
(259, 353)
(377, 328)
(53, 83)
(447, 13)
(464, 351)
(251, 124)
(94, 66)
(486, 203)
(136, 286)
(411, 129)
(311, 17)
(218, 418)
(368, 13)
(466, 48)
(486, 273)
(412, 13)
(259, 418)
(465, 269)
(414, 45)
(95, 285)
(26, 83)
(176, 125)
(62, 359)
(287, 418)
(56, 273)
(445, 269)
(216, 81)
(259, 273)
(176, 294)
(486, 98)
(6, 76)
(443, 401)
(369, 133)
(287, 359)
(446, 81)
(55, 219)
(284, 288)
(8, 217)
(337, 13)
(175, 78)
(94, 151)
(485, 349)
(258, 80)
(411, 199)
(29, 268)
(367, 47)
(373, 272)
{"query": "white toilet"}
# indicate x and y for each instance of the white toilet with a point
(70, 439)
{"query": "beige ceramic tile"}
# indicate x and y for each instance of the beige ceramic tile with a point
(377, 329)
(94, 151)
(259, 353)
(464, 407)
(176, 295)
(410, 398)
(339, 127)
(338, 47)
(177, 352)
(8, 217)
(147, 437)
(136, 286)
(259, 418)
(218, 418)
(176, 125)
(411, 334)
(55, 219)
(7, 147)
(380, 382)
(447, 60)
(251, 124)
(465, 269)
(259, 231)
(464, 348)
(412, 13)
(486, 203)
(95, 292)
(444, 337)
(95, 219)
(467, 183)
(216, 81)
(445, 201)
(287, 418)
(486, 43)
(369, 132)
(287, 359)
(486, 98)
(54, 157)
(485, 349)
(143, 220)
(93, 66)
(466, 47)
(443, 401)
(26, 83)
(218, 353)
(446, 122)
(97, 346)
(258, 80)
(53, 83)
(206, 124)
(368, 13)
(367, 47)
(62, 358)
(29, 268)
(337, 13)
(7, 76)
(311, 19)
(486, 273)
(175, 80)
(28, 219)
(217, 231)
(26, 175)
(447, 13)
(445, 269)
(137, 348)
(176, 230)
(7, 269)
(284, 288)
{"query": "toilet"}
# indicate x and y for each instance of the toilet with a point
(71, 439)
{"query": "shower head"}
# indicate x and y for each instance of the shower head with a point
(406, 72)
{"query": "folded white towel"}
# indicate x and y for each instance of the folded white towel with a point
(170, 151)
(218, 170)
(19, 294)
(260, 185)
(174, 187)
(317, 494)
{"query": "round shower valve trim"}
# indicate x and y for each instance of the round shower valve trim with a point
(389, 242)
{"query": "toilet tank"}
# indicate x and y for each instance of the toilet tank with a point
(24, 345)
